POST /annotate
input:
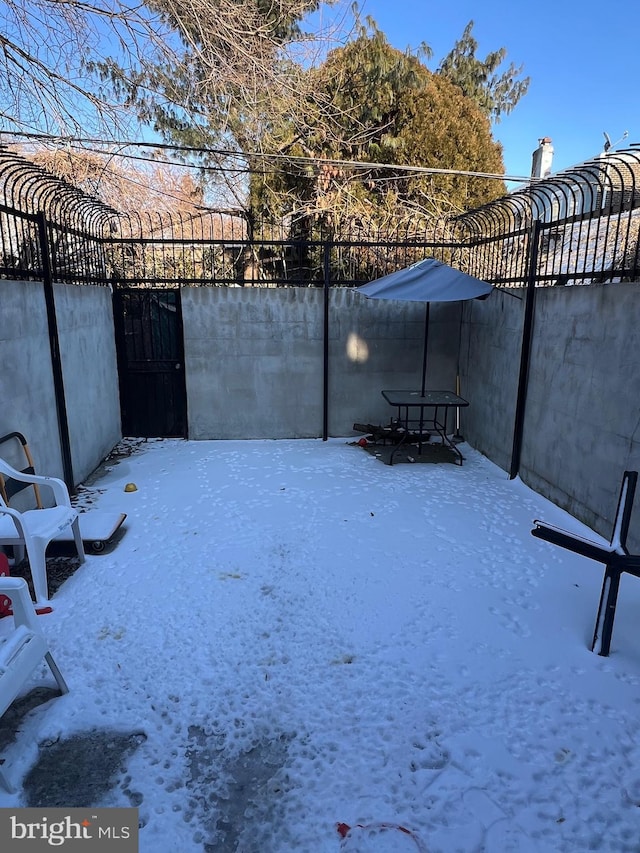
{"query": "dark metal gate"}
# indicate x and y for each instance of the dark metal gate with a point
(149, 342)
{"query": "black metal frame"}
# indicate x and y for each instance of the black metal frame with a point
(404, 401)
(151, 369)
(589, 219)
(10, 487)
(616, 559)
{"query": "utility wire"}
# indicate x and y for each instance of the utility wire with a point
(228, 153)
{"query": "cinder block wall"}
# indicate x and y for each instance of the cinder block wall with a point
(489, 365)
(376, 344)
(87, 351)
(254, 359)
(90, 371)
(26, 378)
(582, 421)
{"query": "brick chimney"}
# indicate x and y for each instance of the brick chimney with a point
(542, 158)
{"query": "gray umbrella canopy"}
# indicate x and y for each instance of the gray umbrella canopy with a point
(427, 281)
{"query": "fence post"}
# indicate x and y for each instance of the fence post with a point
(325, 353)
(54, 345)
(525, 353)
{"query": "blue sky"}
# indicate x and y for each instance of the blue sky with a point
(580, 57)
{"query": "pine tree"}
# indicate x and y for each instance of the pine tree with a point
(377, 106)
(496, 94)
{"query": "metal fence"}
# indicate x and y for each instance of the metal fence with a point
(39, 210)
(225, 250)
(587, 219)
(586, 223)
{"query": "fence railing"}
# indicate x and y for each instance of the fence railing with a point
(588, 221)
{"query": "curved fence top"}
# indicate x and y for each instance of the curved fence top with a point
(605, 185)
(29, 188)
(588, 218)
(588, 227)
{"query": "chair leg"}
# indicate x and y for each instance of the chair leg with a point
(36, 551)
(53, 666)
(606, 611)
(18, 554)
(77, 538)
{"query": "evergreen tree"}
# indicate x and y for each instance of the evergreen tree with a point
(376, 105)
(496, 94)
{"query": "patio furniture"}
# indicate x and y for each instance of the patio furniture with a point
(11, 438)
(428, 280)
(34, 529)
(22, 651)
(411, 406)
(97, 529)
(615, 557)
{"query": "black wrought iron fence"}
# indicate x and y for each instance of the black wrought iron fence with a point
(261, 263)
(20, 251)
(587, 219)
(225, 250)
(75, 225)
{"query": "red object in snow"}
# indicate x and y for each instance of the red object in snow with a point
(344, 829)
(363, 442)
(5, 602)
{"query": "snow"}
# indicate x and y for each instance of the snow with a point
(309, 637)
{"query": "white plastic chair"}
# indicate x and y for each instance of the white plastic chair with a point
(22, 651)
(35, 528)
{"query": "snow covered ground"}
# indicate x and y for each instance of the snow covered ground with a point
(308, 637)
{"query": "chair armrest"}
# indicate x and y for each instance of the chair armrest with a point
(23, 610)
(58, 486)
(16, 516)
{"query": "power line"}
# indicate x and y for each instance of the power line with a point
(121, 176)
(356, 165)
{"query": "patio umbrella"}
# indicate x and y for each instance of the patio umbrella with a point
(427, 281)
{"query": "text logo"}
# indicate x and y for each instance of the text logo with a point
(70, 830)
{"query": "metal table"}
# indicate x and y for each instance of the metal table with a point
(411, 406)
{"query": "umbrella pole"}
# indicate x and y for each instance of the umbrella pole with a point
(424, 352)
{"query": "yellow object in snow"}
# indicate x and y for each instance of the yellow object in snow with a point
(131, 487)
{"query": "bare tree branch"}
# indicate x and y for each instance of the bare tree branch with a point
(47, 48)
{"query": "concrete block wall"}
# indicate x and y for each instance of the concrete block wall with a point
(254, 359)
(87, 350)
(582, 419)
(26, 378)
(490, 349)
(582, 427)
(377, 344)
(90, 372)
